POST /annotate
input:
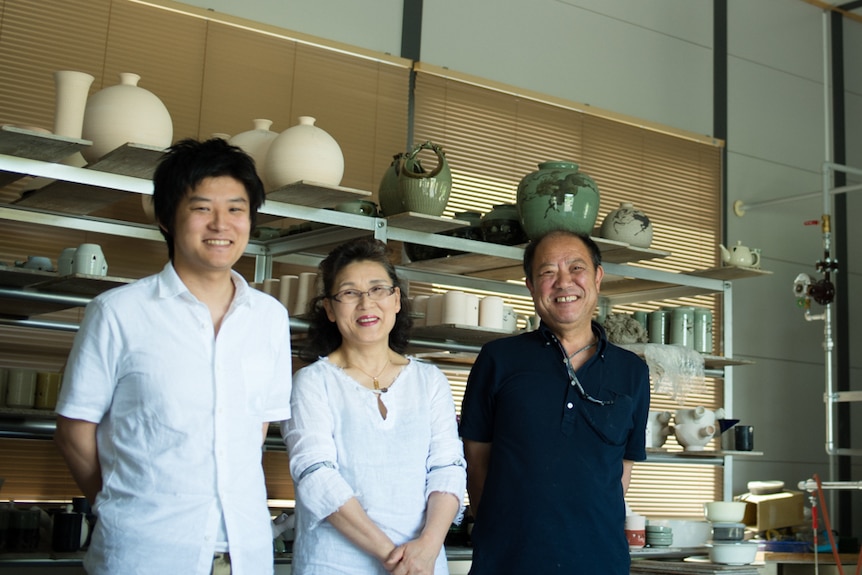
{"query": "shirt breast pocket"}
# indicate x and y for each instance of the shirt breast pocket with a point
(612, 420)
(257, 376)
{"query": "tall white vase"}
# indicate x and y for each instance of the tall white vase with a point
(256, 143)
(304, 152)
(125, 113)
(71, 88)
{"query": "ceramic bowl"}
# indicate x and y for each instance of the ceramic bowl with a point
(728, 531)
(724, 511)
(733, 553)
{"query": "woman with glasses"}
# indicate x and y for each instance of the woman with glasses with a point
(373, 445)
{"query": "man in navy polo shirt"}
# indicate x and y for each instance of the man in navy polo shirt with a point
(552, 422)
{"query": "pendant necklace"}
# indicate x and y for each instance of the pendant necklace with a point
(375, 379)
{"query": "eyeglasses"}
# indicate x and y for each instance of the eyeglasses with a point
(577, 384)
(376, 293)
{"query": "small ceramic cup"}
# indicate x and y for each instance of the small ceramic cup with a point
(47, 389)
(491, 312)
(21, 387)
(66, 262)
(90, 261)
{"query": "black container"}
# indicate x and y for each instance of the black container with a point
(743, 437)
(66, 534)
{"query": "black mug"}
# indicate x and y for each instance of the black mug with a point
(743, 437)
(66, 535)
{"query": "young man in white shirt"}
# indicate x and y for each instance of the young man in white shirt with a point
(172, 382)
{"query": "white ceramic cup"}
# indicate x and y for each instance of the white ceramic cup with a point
(271, 286)
(66, 262)
(510, 318)
(90, 261)
(40, 263)
(304, 292)
(419, 305)
(287, 291)
(454, 310)
(434, 310)
(21, 387)
(471, 310)
(491, 312)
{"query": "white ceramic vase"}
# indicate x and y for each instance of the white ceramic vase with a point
(304, 152)
(125, 113)
(256, 143)
(628, 224)
(72, 88)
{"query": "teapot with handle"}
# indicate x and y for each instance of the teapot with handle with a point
(740, 255)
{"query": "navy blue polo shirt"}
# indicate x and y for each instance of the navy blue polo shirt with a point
(553, 497)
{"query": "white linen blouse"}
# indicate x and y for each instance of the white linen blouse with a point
(340, 446)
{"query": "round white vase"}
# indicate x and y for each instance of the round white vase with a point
(304, 152)
(125, 113)
(256, 143)
(628, 224)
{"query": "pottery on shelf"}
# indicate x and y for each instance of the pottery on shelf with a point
(502, 225)
(695, 428)
(419, 190)
(72, 89)
(387, 192)
(125, 113)
(627, 224)
(304, 152)
(658, 428)
(420, 252)
(557, 196)
(256, 143)
(740, 255)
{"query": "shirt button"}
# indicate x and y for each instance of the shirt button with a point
(570, 405)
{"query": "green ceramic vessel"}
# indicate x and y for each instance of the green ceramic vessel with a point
(557, 196)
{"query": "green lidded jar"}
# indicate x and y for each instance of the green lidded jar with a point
(557, 196)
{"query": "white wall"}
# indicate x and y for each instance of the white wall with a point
(653, 60)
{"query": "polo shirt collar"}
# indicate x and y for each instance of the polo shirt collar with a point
(598, 330)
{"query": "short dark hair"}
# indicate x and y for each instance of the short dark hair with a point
(323, 335)
(530, 250)
(186, 164)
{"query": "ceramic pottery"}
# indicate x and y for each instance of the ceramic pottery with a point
(125, 113)
(740, 255)
(695, 428)
(628, 224)
(502, 225)
(557, 196)
(420, 252)
(419, 190)
(304, 152)
(256, 143)
(72, 89)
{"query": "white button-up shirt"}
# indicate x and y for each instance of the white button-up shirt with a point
(341, 447)
(180, 414)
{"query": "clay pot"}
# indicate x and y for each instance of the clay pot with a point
(122, 114)
(502, 225)
(417, 190)
(304, 152)
(256, 143)
(557, 196)
(628, 224)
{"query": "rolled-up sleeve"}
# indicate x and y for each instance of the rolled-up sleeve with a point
(446, 466)
(312, 451)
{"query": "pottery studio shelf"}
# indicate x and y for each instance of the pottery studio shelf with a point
(28, 293)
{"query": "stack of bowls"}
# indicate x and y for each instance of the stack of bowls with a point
(728, 546)
(659, 536)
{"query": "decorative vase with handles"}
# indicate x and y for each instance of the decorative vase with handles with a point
(695, 428)
(256, 143)
(125, 113)
(557, 196)
(628, 224)
(387, 193)
(304, 152)
(419, 190)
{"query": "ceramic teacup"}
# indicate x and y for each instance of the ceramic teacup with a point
(89, 260)
(40, 263)
(66, 261)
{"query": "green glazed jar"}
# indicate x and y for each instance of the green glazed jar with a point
(557, 196)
